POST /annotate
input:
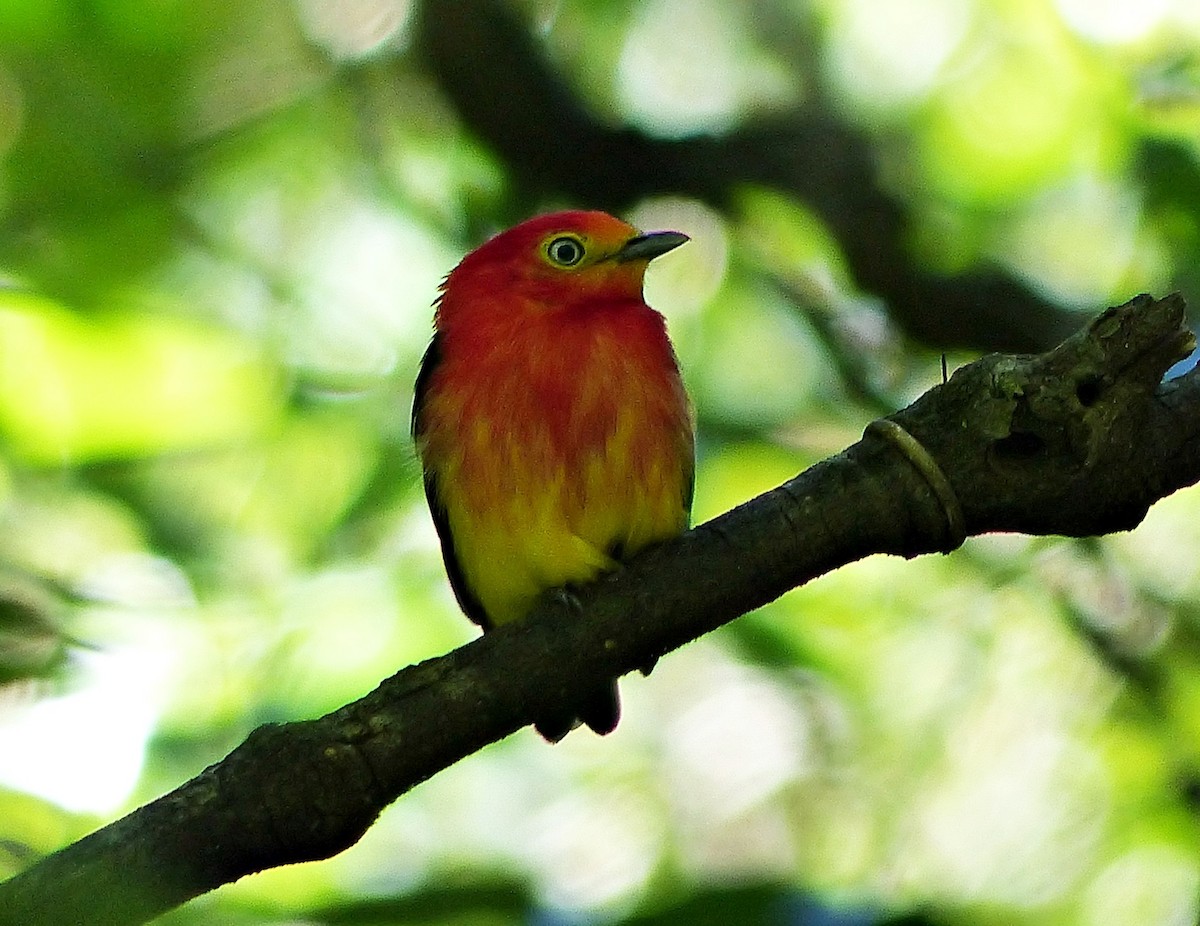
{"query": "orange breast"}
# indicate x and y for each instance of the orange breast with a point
(558, 444)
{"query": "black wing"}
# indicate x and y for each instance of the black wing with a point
(466, 598)
(689, 488)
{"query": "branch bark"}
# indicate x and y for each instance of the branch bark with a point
(1077, 441)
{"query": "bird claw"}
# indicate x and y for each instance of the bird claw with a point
(567, 597)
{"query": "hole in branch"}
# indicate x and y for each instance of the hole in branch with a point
(1020, 445)
(1088, 390)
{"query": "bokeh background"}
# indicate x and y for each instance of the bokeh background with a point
(221, 228)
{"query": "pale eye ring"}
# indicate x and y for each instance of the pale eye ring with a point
(565, 251)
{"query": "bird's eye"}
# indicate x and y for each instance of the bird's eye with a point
(565, 251)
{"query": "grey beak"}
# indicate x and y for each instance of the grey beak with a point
(650, 246)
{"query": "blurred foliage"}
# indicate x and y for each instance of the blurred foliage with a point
(223, 225)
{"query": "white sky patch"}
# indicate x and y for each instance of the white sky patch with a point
(893, 51)
(351, 29)
(682, 282)
(687, 67)
(1152, 885)
(370, 279)
(1114, 21)
(595, 848)
(83, 750)
(1079, 240)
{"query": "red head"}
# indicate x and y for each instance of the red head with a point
(553, 261)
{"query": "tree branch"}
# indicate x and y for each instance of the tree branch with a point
(522, 108)
(1078, 441)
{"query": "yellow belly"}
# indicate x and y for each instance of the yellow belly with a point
(522, 533)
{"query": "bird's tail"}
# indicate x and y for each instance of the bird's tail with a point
(600, 710)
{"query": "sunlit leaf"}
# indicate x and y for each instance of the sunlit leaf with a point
(74, 389)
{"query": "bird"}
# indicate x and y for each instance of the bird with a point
(554, 431)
